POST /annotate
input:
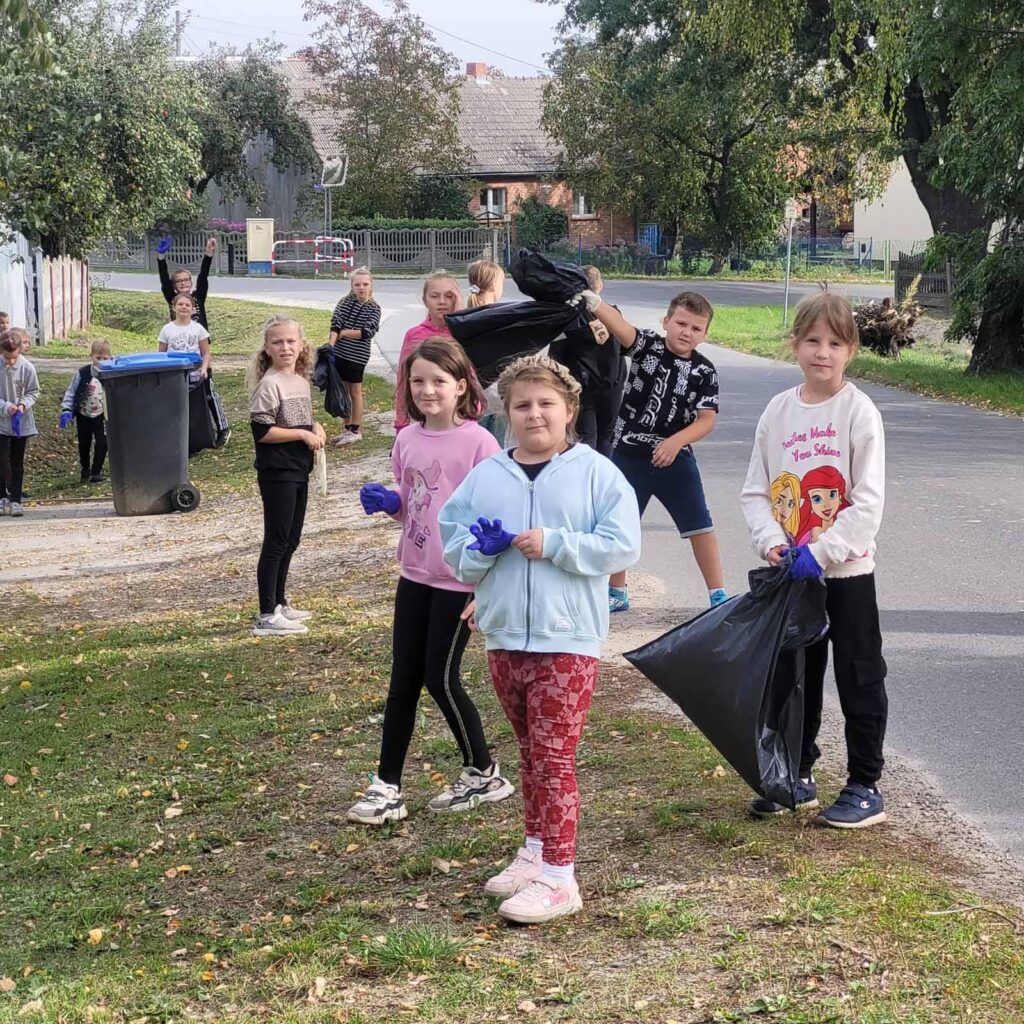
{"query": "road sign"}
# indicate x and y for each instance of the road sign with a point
(792, 213)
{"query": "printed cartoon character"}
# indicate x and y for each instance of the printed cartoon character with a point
(422, 486)
(824, 497)
(785, 494)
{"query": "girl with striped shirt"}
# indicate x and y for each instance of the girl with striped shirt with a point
(355, 321)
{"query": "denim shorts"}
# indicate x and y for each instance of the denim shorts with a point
(678, 487)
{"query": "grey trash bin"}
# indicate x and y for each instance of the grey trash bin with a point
(147, 431)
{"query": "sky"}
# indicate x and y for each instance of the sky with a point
(523, 31)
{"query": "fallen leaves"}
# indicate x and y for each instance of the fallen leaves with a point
(33, 1006)
(10, 780)
(7, 984)
(95, 936)
(174, 811)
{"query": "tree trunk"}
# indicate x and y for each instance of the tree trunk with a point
(999, 346)
(717, 262)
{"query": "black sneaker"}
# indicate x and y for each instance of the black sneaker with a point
(97, 478)
(806, 800)
(856, 807)
(84, 478)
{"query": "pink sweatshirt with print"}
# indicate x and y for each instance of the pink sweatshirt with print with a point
(428, 466)
(412, 338)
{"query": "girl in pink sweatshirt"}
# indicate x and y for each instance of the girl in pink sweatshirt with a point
(431, 457)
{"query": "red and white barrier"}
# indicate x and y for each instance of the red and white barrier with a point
(326, 251)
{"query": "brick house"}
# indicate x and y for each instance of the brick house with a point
(513, 158)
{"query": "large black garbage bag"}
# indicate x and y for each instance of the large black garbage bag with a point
(496, 334)
(545, 280)
(737, 672)
(337, 401)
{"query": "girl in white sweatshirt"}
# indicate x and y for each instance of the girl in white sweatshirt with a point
(814, 491)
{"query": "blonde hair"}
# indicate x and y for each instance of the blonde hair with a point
(188, 298)
(366, 272)
(179, 274)
(99, 348)
(261, 361)
(834, 310)
(788, 482)
(485, 276)
(540, 369)
(594, 279)
(440, 275)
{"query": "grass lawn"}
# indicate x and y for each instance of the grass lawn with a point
(173, 847)
(53, 470)
(935, 368)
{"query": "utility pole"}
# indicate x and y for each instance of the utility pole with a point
(179, 26)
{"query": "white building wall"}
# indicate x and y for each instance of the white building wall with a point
(16, 280)
(896, 216)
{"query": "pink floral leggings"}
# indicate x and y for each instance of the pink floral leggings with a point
(546, 698)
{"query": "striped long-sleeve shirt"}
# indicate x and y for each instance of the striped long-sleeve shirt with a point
(351, 314)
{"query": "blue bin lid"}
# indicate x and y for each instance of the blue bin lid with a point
(148, 362)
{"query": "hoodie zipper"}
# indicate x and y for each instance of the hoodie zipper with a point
(529, 572)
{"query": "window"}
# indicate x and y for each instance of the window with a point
(493, 202)
(582, 206)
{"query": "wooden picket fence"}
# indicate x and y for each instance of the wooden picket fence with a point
(934, 287)
(62, 296)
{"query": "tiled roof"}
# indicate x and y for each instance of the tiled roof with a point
(500, 126)
(302, 84)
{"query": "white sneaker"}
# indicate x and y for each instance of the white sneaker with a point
(277, 624)
(295, 614)
(16, 509)
(472, 788)
(524, 869)
(380, 803)
(542, 900)
(5, 506)
(349, 437)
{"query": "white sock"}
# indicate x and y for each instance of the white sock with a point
(562, 873)
(534, 845)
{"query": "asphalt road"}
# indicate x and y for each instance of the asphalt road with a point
(950, 556)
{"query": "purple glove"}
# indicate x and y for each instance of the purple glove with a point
(377, 498)
(65, 420)
(16, 423)
(491, 539)
(803, 565)
(164, 244)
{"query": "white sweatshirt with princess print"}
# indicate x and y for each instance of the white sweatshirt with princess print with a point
(817, 477)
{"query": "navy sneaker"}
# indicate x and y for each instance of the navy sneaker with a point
(618, 599)
(856, 807)
(806, 800)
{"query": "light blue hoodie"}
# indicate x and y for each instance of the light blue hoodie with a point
(557, 604)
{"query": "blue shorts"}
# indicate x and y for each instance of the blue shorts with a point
(678, 487)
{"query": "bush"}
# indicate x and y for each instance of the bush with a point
(537, 225)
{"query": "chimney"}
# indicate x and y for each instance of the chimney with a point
(476, 69)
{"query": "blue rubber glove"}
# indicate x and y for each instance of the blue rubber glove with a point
(377, 498)
(804, 566)
(65, 420)
(164, 244)
(491, 539)
(16, 423)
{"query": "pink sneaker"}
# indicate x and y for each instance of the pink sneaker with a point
(542, 900)
(524, 869)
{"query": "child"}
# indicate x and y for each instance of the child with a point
(831, 434)
(285, 434)
(355, 321)
(570, 518)
(24, 338)
(486, 283)
(183, 334)
(670, 403)
(600, 369)
(5, 322)
(83, 402)
(180, 282)
(430, 459)
(19, 389)
(441, 295)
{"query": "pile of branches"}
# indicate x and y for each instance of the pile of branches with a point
(884, 327)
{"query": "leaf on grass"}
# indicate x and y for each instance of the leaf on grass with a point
(95, 936)
(439, 864)
(34, 1006)
(173, 812)
(10, 780)
(527, 1006)
(7, 984)
(183, 744)
(352, 847)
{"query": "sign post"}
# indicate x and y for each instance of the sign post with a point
(791, 215)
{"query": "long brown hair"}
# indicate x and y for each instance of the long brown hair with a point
(484, 276)
(261, 361)
(449, 356)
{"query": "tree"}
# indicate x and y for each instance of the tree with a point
(393, 92)
(441, 197)
(107, 142)
(246, 98)
(647, 110)
(537, 225)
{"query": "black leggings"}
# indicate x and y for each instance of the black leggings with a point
(429, 639)
(860, 672)
(12, 465)
(284, 512)
(595, 424)
(89, 428)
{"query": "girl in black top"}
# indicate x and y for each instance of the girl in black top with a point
(355, 321)
(180, 282)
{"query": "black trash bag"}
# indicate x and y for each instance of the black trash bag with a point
(202, 422)
(495, 334)
(337, 401)
(543, 279)
(737, 672)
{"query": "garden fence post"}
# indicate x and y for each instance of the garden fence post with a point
(366, 245)
(433, 248)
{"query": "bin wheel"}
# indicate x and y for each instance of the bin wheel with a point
(185, 498)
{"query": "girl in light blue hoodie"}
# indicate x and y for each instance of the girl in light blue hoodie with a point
(538, 530)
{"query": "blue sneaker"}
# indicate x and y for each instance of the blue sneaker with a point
(856, 807)
(806, 800)
(618, 600)
(717, 597)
